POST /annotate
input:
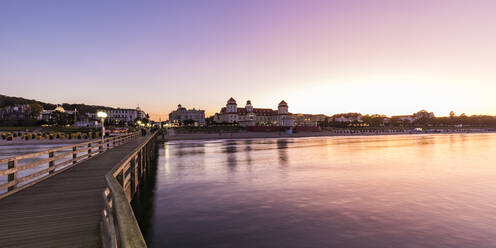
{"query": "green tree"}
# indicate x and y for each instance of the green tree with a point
(35, 110)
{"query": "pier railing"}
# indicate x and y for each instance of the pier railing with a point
(119, 225)
(26, 170)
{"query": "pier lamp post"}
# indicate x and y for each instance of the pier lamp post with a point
(102, 115)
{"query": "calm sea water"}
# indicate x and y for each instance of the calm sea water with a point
(387, 191)
(16, 150)
(7, 151)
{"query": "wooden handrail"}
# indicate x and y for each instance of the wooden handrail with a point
(36, 154)
(120, 227)
(88, 149)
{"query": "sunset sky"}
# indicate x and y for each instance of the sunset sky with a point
(390, 57)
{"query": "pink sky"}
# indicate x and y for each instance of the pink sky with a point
(390, 57)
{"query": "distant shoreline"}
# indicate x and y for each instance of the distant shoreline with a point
(253, 135)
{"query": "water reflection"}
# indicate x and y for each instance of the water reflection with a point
(165, 158)
(230, 150)
(282, 146)
(188, 149)
(389, 191)
(248, 149)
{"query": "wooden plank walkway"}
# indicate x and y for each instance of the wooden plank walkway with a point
(64, 210)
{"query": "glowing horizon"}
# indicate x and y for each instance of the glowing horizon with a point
(322, 57)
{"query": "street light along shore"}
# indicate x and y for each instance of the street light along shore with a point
(102, 115)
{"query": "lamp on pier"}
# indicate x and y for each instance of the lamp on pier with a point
(102, 115)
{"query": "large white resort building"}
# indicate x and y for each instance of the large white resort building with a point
(249, 116)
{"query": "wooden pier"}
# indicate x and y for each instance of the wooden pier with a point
(67, 209)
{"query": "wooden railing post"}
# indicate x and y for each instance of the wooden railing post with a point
(89, 150)
(145, 154)
(133, 181)
(12, 176)
(74, 154)
(100, 146)
(120, 178)
(52, 162)
(140, 164)
(149, 153)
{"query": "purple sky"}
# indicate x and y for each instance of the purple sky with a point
(391, 57)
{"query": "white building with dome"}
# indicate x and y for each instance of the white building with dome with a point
(249, 116)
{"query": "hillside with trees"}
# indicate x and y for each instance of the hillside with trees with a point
(18, 111)
(7, 101)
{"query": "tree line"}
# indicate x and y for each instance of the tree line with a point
(452, 121)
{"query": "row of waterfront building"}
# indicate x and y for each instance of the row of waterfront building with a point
(231, 114)
(245, 116)
(114, 115)
(249, 116)
(81, 118)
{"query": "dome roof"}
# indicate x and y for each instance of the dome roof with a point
(60, 109)
(231, 101)
(283, 103)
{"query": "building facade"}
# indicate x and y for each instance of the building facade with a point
(88, 120)
(422, 114)
(404, 118)
(250, 116)
(16, 112)
(309, 120)
(47, 113)
(125, 115)
(182, 114)
(348, 117)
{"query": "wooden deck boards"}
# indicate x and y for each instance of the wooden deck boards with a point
(64, 210)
